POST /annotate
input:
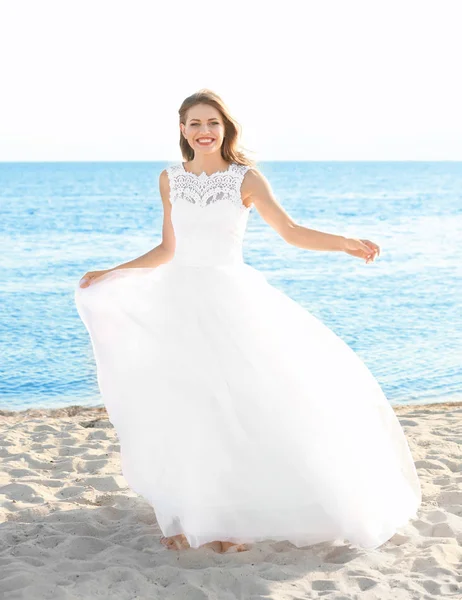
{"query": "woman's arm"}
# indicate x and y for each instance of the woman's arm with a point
(165, 251)
(257, 190)
(159, 255)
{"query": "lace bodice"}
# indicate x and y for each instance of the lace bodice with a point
(208, 215)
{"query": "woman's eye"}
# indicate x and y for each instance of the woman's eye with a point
(214, 123)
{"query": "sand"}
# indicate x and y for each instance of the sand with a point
(71, 528)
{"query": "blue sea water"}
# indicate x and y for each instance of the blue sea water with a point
(401, 314)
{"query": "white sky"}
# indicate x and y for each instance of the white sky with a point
(310, 80)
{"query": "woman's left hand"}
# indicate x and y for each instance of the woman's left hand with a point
(362, 249)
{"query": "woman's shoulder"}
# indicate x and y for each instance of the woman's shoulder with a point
(168, 173)
(250, 172)
(255, 184)
(173, 166)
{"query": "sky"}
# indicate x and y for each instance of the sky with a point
(307, 80)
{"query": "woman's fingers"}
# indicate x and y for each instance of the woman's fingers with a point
(371, 246)
(363, 249)
(90, 277)
(86, 279)
(367, 247)
(371, 250)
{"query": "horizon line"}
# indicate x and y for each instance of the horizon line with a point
(308, 160)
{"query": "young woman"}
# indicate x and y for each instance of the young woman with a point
(241, 416)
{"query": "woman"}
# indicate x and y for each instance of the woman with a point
(241, 416)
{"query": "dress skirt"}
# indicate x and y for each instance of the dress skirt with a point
(241, 416)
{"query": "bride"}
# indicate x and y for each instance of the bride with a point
(241, 416)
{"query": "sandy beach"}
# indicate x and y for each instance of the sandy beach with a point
(71, 528)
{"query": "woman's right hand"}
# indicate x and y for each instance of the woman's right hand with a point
(91, 276)
(362, 249)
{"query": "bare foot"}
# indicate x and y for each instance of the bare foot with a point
(179, 542)
(215, 546)
(176, 542)
(231, 547)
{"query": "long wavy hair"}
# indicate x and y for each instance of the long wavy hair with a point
(231, 150)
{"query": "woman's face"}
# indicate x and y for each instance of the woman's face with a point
(204, 122)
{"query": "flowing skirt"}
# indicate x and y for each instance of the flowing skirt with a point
(241, 416)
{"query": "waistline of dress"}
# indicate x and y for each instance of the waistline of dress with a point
(184, 262)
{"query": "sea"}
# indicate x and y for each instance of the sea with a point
(402, 314)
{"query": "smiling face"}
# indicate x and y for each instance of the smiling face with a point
(204, 128)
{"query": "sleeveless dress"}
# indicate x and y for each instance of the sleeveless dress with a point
(241, 416)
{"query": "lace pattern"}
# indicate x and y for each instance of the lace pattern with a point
(204, 190)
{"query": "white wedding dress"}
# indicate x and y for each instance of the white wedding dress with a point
(241, 416)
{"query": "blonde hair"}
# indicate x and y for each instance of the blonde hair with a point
(229, 148)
